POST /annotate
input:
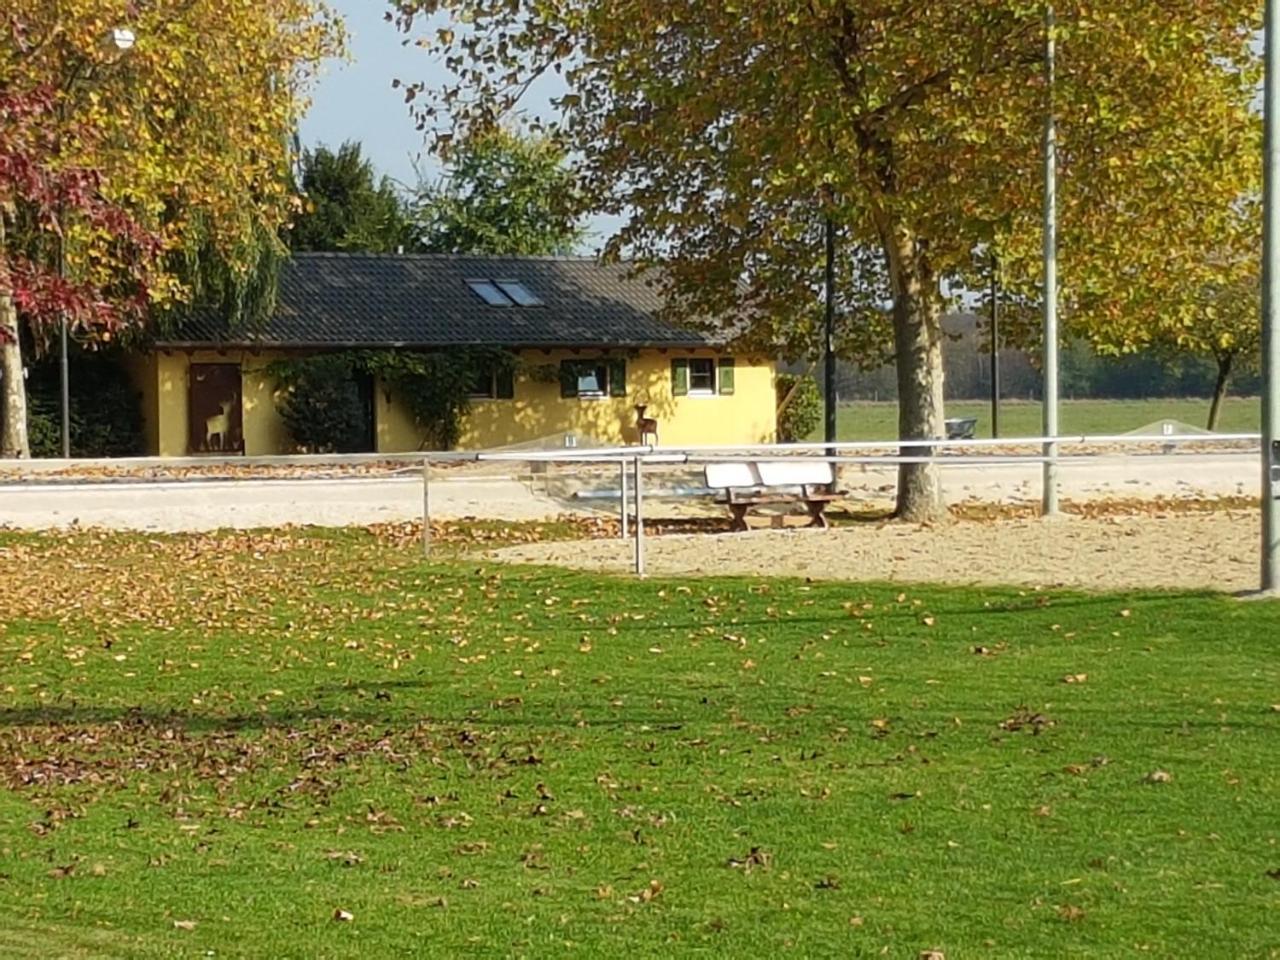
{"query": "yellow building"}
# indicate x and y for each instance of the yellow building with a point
(588, 344)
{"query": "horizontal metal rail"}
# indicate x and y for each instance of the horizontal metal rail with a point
(612, 454)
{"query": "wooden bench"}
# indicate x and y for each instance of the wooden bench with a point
(748, 485)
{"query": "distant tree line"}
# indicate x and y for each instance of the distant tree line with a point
(1083, 373)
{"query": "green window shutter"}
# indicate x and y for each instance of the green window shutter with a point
(679, 378)
(726, 376)
(568, 378)
(504, 382)
(617, 377)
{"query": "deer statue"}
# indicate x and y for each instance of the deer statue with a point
(218, 426)
(646, 426)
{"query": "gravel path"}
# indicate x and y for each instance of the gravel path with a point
(1215, 550)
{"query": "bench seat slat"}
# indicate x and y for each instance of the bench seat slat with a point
(794, 473)
(726, 475)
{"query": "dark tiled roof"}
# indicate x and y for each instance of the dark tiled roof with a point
(332, 299)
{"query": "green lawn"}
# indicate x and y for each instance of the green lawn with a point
(1021, 418)
(209, 745)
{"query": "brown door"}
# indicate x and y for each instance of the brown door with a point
(215, 424)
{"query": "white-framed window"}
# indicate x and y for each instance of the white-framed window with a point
(702, 376)
(592, 379)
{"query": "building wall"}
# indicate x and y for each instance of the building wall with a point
(264, 431)
(537, 412)
(142, 370)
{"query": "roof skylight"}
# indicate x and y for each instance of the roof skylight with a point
(489, 292)
(518, 292)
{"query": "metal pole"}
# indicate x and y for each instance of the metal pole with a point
(64, 370)
(639, 484)
(829, 370)
(426, 506)
(622, 499)
(1049, 402)
(1270, 306)
(995, 347)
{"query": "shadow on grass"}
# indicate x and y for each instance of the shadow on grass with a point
(692, 710)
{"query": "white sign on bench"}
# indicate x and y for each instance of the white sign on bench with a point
(773, 481)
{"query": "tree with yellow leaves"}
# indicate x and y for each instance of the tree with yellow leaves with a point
(726, 133)
(186, 132)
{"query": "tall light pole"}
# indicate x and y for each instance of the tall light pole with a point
(1270, 306)
(119, 39)
(1049, 402)
(829, 370)
(995, 344)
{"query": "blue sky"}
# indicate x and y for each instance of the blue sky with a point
(354, 100)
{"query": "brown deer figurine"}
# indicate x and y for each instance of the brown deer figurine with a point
(646, 426)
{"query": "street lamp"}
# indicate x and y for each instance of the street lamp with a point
(1049, 401)
(119, 39)
(1270, 306)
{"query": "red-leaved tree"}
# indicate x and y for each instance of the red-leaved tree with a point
(40, 200)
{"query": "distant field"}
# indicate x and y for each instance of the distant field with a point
(877, 421)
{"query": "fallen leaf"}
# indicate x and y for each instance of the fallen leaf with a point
(755, 858)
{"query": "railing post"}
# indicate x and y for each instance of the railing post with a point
(426, 505)
(622, 498)
(639, 485)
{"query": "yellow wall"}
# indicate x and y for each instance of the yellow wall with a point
(264, 431)
(142, 370)
(537, 411)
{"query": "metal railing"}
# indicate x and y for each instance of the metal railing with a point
(631, 461)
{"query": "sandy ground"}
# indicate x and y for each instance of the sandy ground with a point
(1216, 550)
(244, 504)
(507, 491)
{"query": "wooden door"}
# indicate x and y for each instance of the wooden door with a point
(215, 423)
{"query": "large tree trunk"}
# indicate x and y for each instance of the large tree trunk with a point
(13, 389)
(917, 333)
(1225, 362)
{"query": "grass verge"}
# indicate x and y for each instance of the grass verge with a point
(229, 744)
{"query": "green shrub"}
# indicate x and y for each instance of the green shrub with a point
(106, 416)
(803, 413)
(321, 405)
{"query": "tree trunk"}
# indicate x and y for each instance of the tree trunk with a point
(917, 334)
(13, 388)
(1225, 362)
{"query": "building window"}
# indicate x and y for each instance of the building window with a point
(493, 384)
(593, 378)
(488, 291)
(504, 293)
(518, 292)
(702, 377)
